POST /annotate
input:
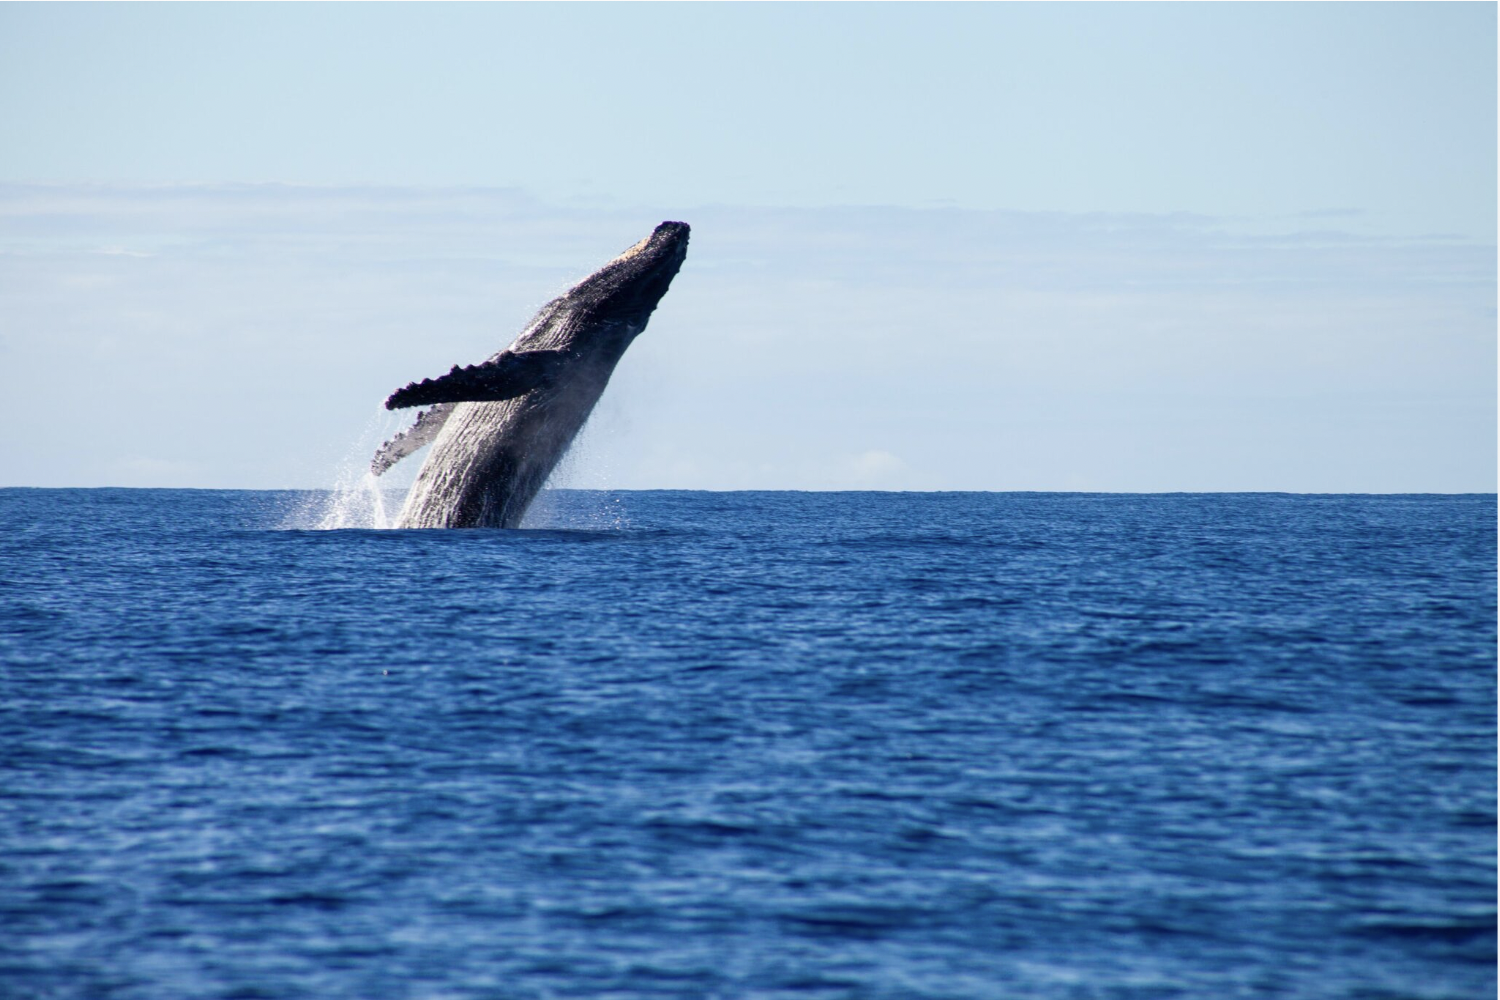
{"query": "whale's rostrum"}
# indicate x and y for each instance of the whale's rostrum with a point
(497, 429)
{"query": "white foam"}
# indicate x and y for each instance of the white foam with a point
(359, 498)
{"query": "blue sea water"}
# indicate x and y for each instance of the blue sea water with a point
(813, 745)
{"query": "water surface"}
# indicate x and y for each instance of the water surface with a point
(819, 745)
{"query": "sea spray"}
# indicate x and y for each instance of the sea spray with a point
(362, 504)
(577, 495)
(357, 499)
(360, 500)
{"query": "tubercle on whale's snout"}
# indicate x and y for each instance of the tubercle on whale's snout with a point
(637, 279)
(675, 234)
(667, 245)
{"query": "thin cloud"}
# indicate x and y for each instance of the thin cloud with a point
(251, 330)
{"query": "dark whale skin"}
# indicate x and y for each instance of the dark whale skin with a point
(491, 457)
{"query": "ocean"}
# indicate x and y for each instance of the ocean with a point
(725, 745)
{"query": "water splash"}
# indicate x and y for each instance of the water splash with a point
(576, 495)
(360, 499)
(359, 505)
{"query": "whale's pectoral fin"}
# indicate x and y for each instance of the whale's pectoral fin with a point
(506, 377)
(429, 422)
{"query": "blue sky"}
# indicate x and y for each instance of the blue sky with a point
(971, 246)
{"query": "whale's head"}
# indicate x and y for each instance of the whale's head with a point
(596, 320)
(629, 287)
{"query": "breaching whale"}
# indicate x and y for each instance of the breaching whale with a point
(498, 428)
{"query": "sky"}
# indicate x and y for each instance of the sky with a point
(978, 246)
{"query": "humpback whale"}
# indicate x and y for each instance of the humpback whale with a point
(498, 428)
